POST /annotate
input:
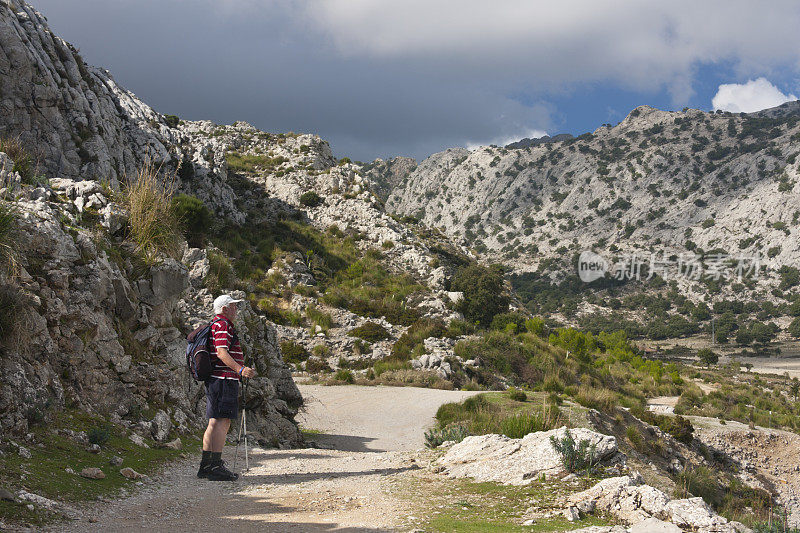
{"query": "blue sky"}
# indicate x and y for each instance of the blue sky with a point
(379, 78)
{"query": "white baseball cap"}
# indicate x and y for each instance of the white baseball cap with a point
(223, 300)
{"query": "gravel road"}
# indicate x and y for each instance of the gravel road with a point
(370, 432)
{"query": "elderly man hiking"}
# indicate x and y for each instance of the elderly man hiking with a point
(222, 389)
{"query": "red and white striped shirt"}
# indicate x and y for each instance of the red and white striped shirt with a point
(224, 335)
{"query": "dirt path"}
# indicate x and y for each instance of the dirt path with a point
(371, 432)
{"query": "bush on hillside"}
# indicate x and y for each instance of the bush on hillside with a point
(420, 330)
(311, 199)
(293, 352)
(370, 332)
(194, 217)
(220, 275)
(484, 293)
(513, 322)
(172, 120)
(707, 357)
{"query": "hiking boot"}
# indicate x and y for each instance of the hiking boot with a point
(203, 472)
(218, 472)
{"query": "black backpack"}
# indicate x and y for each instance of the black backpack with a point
(199, 353)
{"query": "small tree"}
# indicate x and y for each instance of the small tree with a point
(743, 337)
(795, 388)
(707, 357)
(484, 293)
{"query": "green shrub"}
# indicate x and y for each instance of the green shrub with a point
(681, 429)
(319, 317)
(502, 321)
(220, 276)
(321, 351)
(250, 163)
(172, 120)
(574, 456)
(536, 326)
(707, 356)
(293, 352)
(454, 432)
(516, 394)
(345, 376)
(677, 426)
(316, 366)
(390, 366)
(11, 305)
(458, 327)
(194, 217)
(366, 288)
(635, 437)
(794, 328)
(370, 332)
(152, 222)
(518, 425)
(601, 399)
(484, 293)
(412, 338)
(99, 435)
(311, 199)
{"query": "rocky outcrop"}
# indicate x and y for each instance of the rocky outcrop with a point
(520, 461)
(76, 120)
(95, 329)
(636, 504)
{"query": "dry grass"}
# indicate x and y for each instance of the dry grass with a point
(24, 163)
(153, 224)
(8, 244)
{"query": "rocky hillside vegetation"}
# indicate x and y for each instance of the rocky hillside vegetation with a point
(692, 191)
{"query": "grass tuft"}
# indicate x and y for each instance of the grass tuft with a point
(152, 221)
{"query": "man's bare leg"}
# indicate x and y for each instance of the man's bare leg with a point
(214, 437)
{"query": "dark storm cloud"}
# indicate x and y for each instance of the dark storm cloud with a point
(382, 78)
(264, 64)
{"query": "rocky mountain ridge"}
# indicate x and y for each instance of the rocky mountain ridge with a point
(694, 197)
(641, 183)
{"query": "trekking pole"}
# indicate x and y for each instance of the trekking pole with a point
(244, 422)
(238, 440)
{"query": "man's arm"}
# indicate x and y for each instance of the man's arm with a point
(224, 356)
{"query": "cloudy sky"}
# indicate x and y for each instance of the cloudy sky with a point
(379, 78)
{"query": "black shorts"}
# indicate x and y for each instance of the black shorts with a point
(222, 398)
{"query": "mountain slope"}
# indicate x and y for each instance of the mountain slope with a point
(659, 184)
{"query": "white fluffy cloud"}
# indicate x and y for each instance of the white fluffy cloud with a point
(754, 95)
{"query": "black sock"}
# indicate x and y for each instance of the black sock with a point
(206, 458)
(216, 457)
